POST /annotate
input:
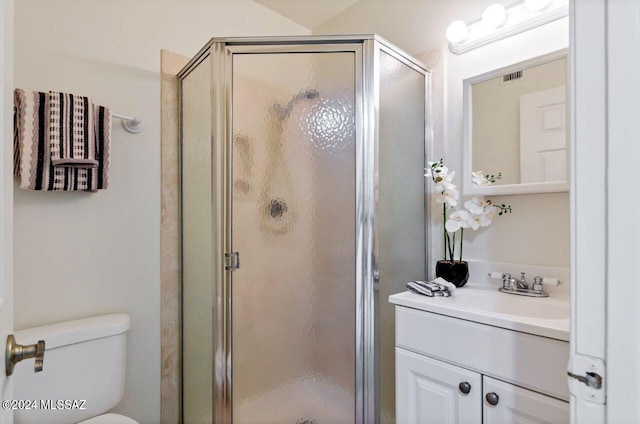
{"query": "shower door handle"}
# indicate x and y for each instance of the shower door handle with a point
(376, 279)
(232, 261)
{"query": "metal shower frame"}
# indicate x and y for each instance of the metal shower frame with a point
(366, 49)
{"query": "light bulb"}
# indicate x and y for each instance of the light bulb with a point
(494, 16)
(457, 32)
(536, 4)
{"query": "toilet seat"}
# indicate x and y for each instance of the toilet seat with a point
(109, 419)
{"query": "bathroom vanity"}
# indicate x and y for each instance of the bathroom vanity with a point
(481, 356)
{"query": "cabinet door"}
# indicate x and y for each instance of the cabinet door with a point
(516, 405)
(428, 391)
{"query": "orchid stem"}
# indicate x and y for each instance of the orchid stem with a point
(446, 236)
(452, 249)
(461, 238)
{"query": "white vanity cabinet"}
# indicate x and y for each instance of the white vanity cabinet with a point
(432, 391)
(452, 370)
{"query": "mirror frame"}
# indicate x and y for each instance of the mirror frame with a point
(467, 152)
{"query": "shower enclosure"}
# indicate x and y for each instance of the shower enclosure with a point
(303, 209)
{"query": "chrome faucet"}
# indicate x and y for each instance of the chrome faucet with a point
(512, 286)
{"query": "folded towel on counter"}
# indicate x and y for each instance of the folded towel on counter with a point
(436, 288)
(71, 133)
(32, 150)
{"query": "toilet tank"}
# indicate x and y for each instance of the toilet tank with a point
(84, 361)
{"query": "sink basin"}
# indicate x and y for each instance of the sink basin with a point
(483, 303)
(539, 308)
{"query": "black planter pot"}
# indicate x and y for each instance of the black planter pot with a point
(455, 272)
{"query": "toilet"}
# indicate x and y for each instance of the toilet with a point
(84, 361)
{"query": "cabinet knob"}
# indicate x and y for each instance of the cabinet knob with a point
(464, 387)
(492, 398)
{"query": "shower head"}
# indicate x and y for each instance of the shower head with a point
(285, 111)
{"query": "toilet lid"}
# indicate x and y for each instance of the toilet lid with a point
(109, 419)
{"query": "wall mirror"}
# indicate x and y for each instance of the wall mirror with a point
(516, 124)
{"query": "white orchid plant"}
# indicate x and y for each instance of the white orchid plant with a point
(476, 213)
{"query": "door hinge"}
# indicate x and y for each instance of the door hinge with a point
(586, 378)
(231, 261)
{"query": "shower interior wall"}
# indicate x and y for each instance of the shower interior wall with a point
(399, 135)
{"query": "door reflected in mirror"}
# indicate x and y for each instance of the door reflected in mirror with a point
(517, 126)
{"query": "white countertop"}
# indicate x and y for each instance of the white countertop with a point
(483, 303)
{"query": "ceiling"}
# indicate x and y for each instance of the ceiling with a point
(308, 13)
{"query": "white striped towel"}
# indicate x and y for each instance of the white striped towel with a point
(71, 133)
(32, 151)
(436, 288)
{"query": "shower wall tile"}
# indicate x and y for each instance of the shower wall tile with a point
(170, 63)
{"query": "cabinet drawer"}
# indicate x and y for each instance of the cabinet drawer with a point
(534, 362)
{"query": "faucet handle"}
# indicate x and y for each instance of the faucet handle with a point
(548, 281)
(507, 281)
(551, 281)
(537, 284)
(539, 281)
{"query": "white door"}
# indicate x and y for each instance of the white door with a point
(505, 403)
(6, 193)
(605, 104)
(431, 391)
(543, 136)
(588, 218)
(622, 380)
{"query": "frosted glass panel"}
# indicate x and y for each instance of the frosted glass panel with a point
(197, 245)
(293, 298)
(400, 209)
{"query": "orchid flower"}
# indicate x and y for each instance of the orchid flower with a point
(479, 179)
(443, 182)
(485, 218)
(476, 205)
(448, 196)
(434, 169)
(460, 219)
(477, 211)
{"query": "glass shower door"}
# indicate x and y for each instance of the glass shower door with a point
(293, 319)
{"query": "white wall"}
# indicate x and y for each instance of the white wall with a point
(79, 254)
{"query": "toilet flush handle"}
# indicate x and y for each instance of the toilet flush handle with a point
(15, 353)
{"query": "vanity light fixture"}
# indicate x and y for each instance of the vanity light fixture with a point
(498, 22)
(457, 32)
(494, 16)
